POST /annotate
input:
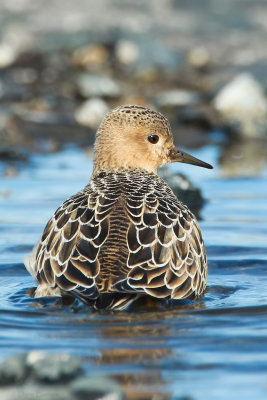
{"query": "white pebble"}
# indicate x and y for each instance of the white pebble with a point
(7, 55)
(91, 112)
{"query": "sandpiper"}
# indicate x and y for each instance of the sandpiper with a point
(126, 234)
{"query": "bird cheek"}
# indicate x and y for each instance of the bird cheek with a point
(138, 156)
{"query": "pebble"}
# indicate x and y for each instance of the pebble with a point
(127, 52)
(96, 388)
(242, 106)
(91, 112)
(32, 391)
(11, 171)
(7, 55)
(13, 370)
(176, 98)
(91, 85)
(24, 76)
(199, 57)
(91, 55)
(53, 368)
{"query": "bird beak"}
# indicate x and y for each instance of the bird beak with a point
(176, 155)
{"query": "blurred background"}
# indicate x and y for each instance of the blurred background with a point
(63, 65)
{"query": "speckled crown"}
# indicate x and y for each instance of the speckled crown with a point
(136, 116)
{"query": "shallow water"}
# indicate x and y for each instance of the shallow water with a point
(215, 348)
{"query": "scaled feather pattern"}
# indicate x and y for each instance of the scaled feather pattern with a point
(123, 236)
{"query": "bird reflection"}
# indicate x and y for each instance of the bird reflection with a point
(141, 346)
(135, 347)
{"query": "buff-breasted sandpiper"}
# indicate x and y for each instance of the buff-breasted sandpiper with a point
(125, 234)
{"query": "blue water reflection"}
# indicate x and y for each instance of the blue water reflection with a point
(205, 349)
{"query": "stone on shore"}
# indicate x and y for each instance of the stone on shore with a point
(242, 106)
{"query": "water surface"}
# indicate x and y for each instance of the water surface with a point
(214, 348)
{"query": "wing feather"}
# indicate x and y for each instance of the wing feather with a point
(166, 251)
(125, 234)
(68, 251)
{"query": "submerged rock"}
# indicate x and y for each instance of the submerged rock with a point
(13, 370)
(242, 106)
(39, 375)
(53, 368)
(32, 391)
(9, 154)
(95, 388)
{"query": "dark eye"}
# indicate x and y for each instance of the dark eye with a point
(153, 139)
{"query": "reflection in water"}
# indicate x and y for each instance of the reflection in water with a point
(243, 157)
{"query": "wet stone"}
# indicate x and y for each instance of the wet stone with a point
(185, 191)
(11, 154)
(13, 370)
(95, 388)
(52, 368)
(32, 391)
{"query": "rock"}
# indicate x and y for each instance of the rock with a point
(10, 90)
(9, 154)
(47, 131)
(11, 171)
(90, 85)
(33, 391)
(7, 55)
(95, 388)
(242, 106)
(13, 370)
(91, 112)
(199, 115)
(126, 52)
(53, 368)
(185, 191)
(25, 76)
(176, 98)
(92, 55)
(199, 57)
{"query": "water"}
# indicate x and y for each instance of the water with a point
(215, 348)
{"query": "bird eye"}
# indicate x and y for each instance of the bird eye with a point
(153, 139)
